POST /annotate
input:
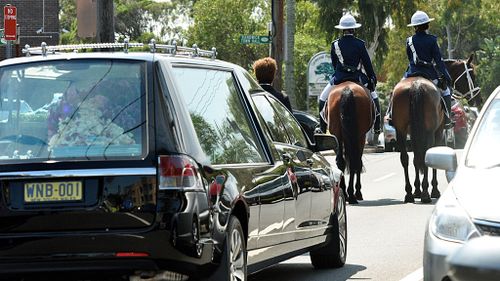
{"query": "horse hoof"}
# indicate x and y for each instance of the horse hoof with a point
(425, 198)
(417, 193)
(359, 196)
(409, 198)
(352, 200)
(435, 194)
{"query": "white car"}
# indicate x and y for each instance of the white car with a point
(469, 207)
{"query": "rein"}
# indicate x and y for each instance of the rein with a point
(473, 90)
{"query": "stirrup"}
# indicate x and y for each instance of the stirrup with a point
(389, 121)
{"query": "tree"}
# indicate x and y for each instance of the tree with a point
(219, 23)
(138, 20)
(309, 40)
(374, 15)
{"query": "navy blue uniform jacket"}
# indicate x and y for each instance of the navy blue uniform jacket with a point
(354, 52)
(427, 50)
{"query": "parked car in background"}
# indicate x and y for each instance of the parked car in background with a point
(390, 139)
(309, 123)
(469, 207)
(167, 164)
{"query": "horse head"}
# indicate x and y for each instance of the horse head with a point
(464, 83)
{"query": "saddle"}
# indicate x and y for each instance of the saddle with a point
(420, 74)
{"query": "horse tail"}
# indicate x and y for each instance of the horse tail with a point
(350, 131)
(418, 136)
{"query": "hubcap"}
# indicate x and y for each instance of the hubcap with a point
(342, 227)
(237, 257)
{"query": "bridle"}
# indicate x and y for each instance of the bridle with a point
(473, 90)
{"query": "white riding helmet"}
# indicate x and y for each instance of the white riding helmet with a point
(347, 21)
(419, 18)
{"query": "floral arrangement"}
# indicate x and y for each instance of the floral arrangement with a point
(87, 126)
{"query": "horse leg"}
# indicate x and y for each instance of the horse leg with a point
(350, 189)
(416, 183)
(435, 191)
(425, 197)
(358, 194)
(403, 157)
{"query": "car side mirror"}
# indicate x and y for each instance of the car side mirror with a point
(478, 260)
(324, 142)
(442, 158)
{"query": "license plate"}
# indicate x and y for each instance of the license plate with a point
(52, 191)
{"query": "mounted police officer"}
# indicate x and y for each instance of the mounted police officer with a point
(350, 57)
(425, 59)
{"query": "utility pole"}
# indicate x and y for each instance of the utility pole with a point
(105, 22)
(277, 42)
(289, 59)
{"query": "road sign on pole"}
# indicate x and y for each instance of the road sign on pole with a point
(10, 22)
(255, 39)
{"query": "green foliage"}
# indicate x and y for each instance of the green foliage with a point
(489, 65)
(309, 40)
(219, 23)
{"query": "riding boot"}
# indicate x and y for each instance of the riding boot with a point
(376, 125)
(388, 113)
(322, 123)
(448, 123)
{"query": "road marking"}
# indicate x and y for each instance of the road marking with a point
(384, 177)
(417, 275)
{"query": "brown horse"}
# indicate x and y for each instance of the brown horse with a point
(350, 113)
(417, 110)
(417, 107)
(464, 83)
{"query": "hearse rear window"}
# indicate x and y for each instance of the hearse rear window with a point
(77, 109)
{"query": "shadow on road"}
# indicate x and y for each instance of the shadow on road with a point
(379, 202)
(388, 202)
(302, 271)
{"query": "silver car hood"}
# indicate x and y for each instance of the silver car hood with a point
(478, 191)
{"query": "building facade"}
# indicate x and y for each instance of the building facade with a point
(38, 22)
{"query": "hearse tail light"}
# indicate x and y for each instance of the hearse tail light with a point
(177, 171)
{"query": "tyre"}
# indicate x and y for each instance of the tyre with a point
(388, 147)
(461, 138)
(234, 257)
(450, 138)
(333, 254)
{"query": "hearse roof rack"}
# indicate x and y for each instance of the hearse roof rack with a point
(173, 49)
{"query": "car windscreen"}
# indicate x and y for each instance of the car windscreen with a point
(72, 109)
(483, 151)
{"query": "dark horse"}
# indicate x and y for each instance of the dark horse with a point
(350, 114)
(417, 108)
(463, 77)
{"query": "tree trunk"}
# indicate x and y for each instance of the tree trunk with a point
(277, 51)
(105, 22)
(289, 60)
(373, 43)
(450, 41)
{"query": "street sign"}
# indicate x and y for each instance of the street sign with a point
(319, 73)
(255, 39)
(10, 22)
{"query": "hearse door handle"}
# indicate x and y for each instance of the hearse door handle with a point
(286, 157)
